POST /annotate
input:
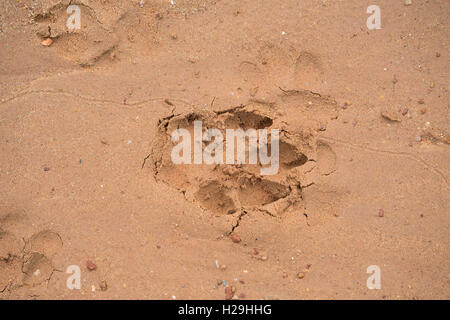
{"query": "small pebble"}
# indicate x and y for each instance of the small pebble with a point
(421, 101)
(90, 265)
(235, 238)
(408, 2)
(423, 110)
(262, 257)
(300, 275)
(438, 54)
(228, 293)
(47, 42)
(381, 213)
(390, 115)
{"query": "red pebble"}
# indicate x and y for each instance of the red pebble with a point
(90, 265)
(235, 238)
(228, 293)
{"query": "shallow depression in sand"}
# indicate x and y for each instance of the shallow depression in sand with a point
(235, 188)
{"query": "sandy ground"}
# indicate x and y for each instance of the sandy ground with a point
(83, 149)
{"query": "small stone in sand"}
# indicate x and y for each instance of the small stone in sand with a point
(228, 293)
(90, 265)
(47, 42)
(262, 257)
(235, 238)
(390, 115)
(346, 104)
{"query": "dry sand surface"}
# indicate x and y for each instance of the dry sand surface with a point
(86, 177)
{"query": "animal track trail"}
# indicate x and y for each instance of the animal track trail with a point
(104, 32)
(36, 269)
(85, 46)
(237, 189)
(25, 262)
(46, 242)
(292, 66)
